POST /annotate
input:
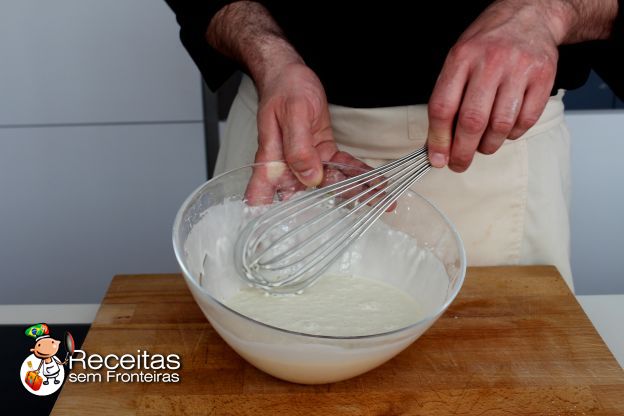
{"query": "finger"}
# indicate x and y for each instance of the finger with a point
(348, 167)
(347, 160)
(299, 151)
(504, 114)
(443, 105)
(359, 167)
(535, 99)
(472, 119)
(264, 178)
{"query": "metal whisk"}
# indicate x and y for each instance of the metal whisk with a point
(287, 248)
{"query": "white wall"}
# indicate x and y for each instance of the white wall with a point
(101, 139)
(81, 204)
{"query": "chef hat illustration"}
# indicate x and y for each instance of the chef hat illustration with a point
(38, 331)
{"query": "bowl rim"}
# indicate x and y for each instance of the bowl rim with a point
(190, 280)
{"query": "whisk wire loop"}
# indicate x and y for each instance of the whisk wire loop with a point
(279, 254)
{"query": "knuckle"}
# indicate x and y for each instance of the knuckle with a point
(441, 110)
(460, 51)
(527, 121)
(496, 56)
(545, 66)
(501, 126)
(548, 60)
(544, 73)
(472, 121)
(438, 141)
(528, 59)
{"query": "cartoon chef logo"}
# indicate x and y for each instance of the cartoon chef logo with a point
(42, 373)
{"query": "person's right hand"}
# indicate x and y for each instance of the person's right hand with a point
(293, 125)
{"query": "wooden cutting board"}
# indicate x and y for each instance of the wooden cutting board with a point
(514, 342)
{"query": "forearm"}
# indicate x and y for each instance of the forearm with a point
(245, 31)
(581, 20)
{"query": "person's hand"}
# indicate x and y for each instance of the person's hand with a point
(293, 125)
(293, 118)
(495, 82)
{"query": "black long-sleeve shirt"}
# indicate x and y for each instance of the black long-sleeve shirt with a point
(373, 54)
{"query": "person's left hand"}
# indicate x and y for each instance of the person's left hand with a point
(495, 82)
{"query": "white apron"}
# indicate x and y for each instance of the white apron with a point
(51, 369)
(510, 208)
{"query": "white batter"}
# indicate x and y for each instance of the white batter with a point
(336, 305)
(373, 288)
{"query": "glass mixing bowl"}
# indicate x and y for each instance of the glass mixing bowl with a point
(314, 359)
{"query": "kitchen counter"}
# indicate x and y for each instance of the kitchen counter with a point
(514, 342)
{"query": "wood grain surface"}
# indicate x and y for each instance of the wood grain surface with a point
(514, 342)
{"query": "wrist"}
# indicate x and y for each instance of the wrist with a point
(246, 32)
(267, 57)
(562, 17)
(573, 21)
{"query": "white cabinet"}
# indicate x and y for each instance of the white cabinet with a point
(597, 201)
(81, 204)
(91, 61)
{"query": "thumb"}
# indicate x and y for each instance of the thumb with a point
(438, 143)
